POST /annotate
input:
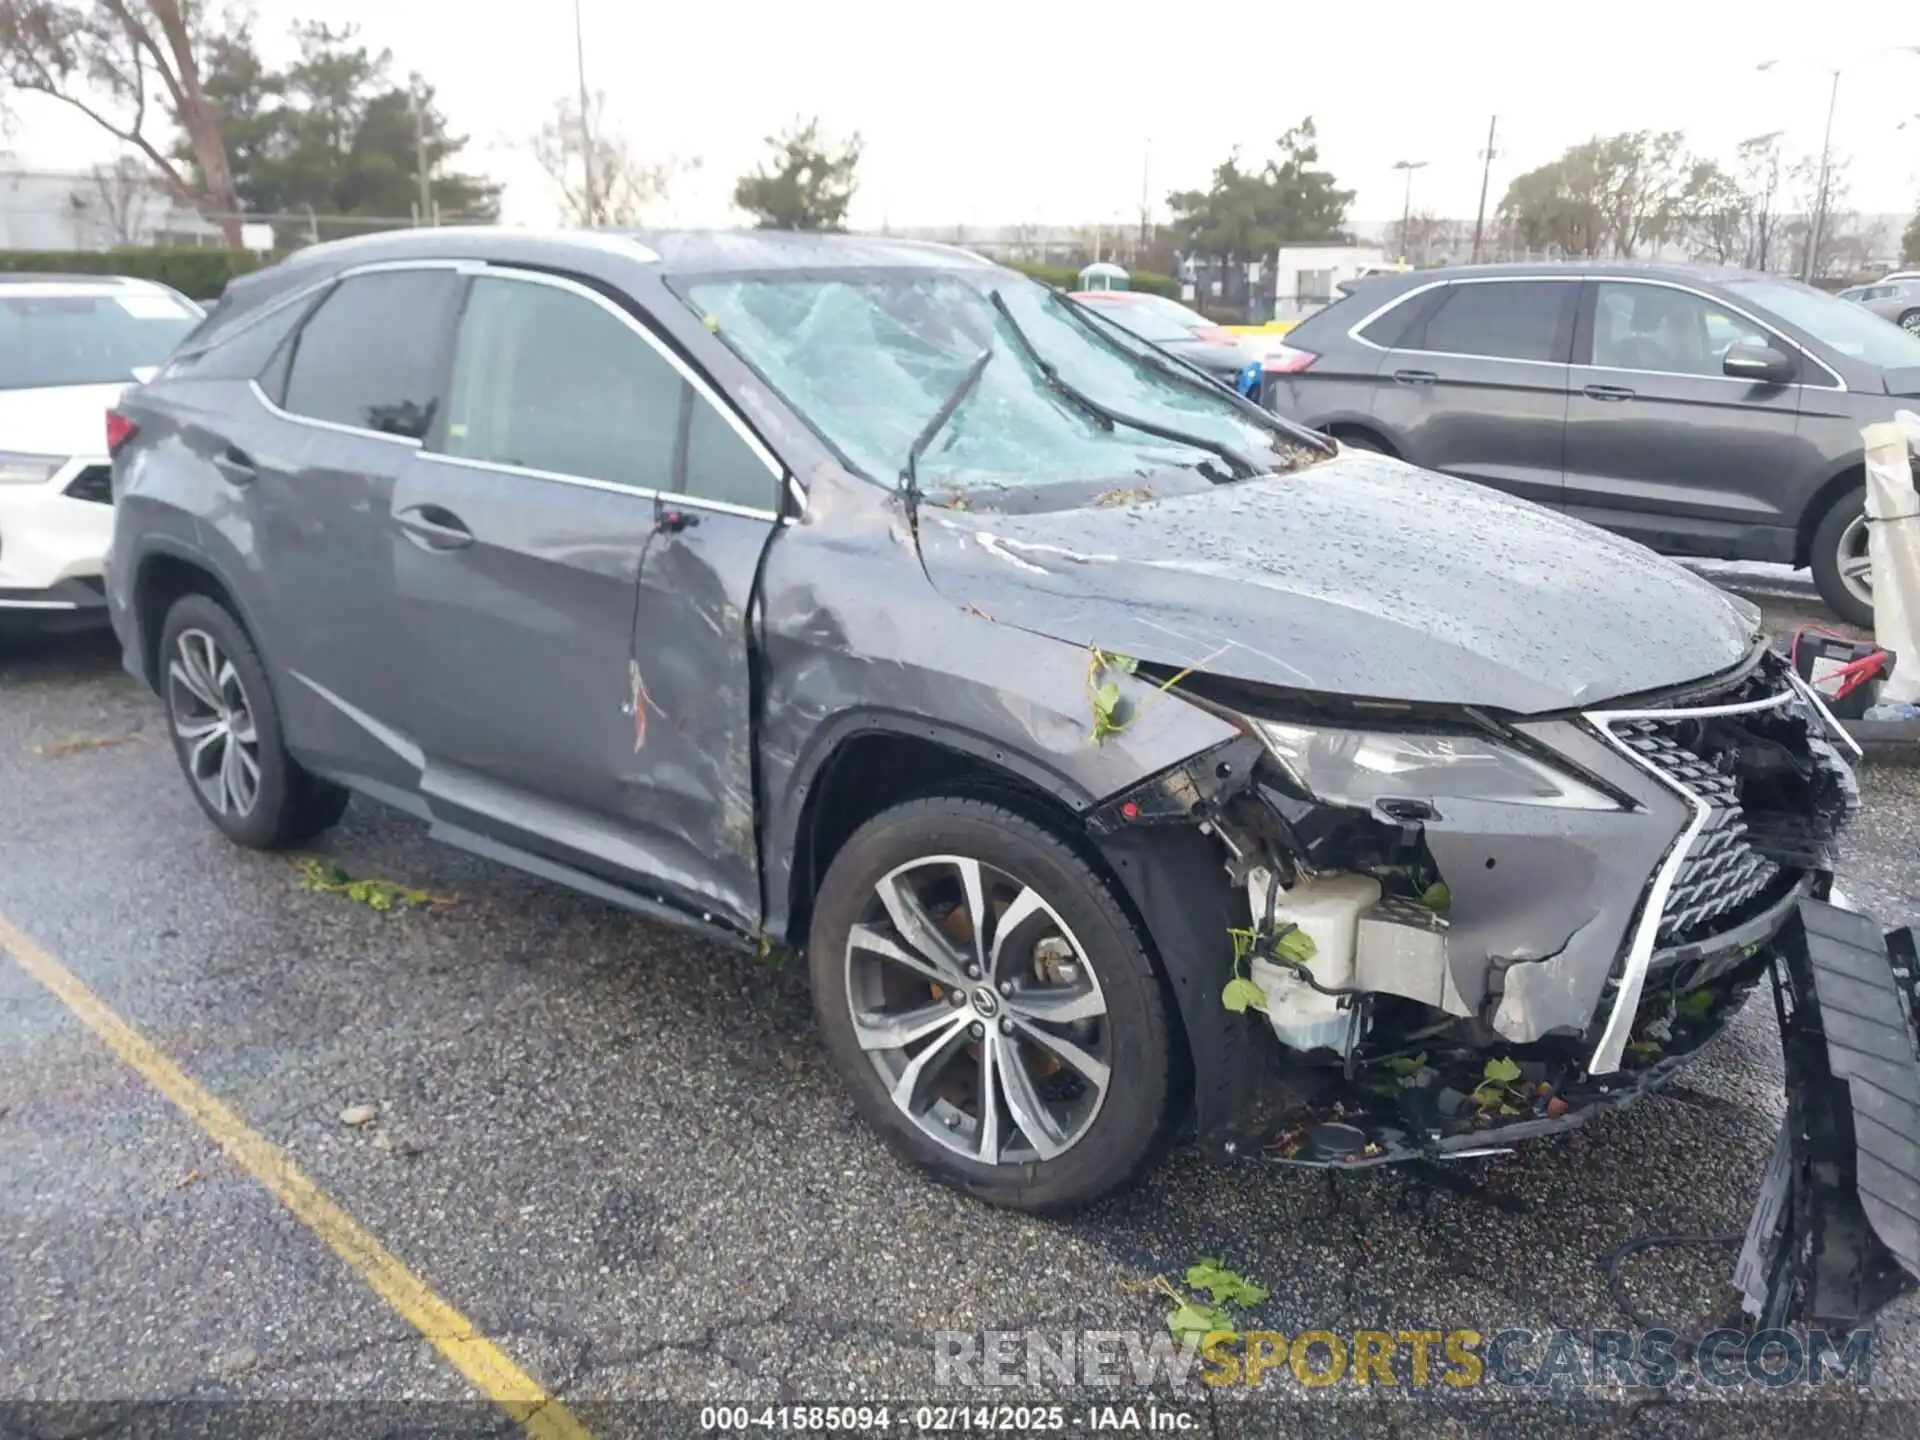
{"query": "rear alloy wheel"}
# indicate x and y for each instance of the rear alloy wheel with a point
(1842, 569)
(1910, 322)
(992, 1006)
(226, 732)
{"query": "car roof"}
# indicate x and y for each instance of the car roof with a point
(1652, 270)
(677, 252)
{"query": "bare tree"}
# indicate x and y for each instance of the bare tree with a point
(624, 187)
(125, 189)
(118, 62)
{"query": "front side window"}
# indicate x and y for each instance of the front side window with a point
(98, 338)
(867, 358)
(1858, 334)
(545, 379)
(1657, 328)
(370, 356)
(1501, 320)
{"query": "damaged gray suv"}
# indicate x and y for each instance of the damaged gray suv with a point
(1114, 751)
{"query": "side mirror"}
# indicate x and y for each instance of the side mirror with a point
(1761, 364)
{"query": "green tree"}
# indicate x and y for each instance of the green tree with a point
(805, 185)
(333, 133)
(1910, 241)
(124, 66)
(1248, 214)
(1613, 194)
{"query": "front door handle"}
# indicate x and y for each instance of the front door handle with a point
(434, 527)
(1609, 392)
(1414, 377)
(236, 466)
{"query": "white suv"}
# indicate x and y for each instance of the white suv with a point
(69, 345)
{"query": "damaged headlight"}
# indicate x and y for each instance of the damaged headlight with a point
(1362, 767)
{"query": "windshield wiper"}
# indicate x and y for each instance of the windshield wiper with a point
(1174, 368)
(1241, 465)
(910, 476)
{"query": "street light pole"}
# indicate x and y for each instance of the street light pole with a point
(590, 206)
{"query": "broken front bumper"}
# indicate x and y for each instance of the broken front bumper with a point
(1835, 1233)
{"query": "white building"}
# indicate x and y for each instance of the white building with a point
(97, 209)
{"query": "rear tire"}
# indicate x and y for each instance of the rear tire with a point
(1064, 1025)
(1837, 557)
(1910, 322)
(226, 733)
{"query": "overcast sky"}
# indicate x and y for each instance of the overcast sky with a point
(974, 114)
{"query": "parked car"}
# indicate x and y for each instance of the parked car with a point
(1177, 330)
(1107, 745)
(69, 344)
(1896, 300)
(1702, 412)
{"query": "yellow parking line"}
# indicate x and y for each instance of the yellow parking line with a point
(452, 1334)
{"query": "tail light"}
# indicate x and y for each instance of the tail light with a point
(1287, 360)
(119, 431)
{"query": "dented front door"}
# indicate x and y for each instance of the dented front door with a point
(577, 674)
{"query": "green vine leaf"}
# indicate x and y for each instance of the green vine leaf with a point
(1224, 1285)
(1198, 1321)
(1437, 896)
(1502, 1071)
(1296, 945)
(1242, 995)
(1696, 1003)
(1408, 1064)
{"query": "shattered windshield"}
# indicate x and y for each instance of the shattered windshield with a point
(869, 357)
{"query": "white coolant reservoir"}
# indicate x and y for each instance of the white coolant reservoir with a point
(1328, 909)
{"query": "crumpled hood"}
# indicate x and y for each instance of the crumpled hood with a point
(1360, 576)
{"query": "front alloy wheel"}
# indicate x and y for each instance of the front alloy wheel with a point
(214, 721)
(992, 1004)
(977, 1007)
(1855, 565)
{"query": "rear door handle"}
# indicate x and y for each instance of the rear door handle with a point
(236, 465)
(434, 527)
(1414, 377)
(1609, 392)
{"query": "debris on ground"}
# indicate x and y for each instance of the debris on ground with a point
(80, 744)
(1192, 1316)
(327, 877)
(358, 1115)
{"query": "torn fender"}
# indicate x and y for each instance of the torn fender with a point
(1835, 1234)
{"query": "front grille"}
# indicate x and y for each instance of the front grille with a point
(94, 483)
(1722, 872)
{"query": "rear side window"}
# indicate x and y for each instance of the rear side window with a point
(371, 355)
(1390, 328)
(1502, 320)
(242, 353)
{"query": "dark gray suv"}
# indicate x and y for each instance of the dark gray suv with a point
(1700, 411)
(1112, 749)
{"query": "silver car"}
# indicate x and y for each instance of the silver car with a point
(1895, 300)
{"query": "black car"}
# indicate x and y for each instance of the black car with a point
(1111, 749)
(1703, 412)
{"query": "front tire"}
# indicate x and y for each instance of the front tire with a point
(1838, 558)
(992, 1006)
(226, 733)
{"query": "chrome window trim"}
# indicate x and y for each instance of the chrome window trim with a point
(1839, 385)
(39, 605)
(611, 487)
(1626, 1003)
(334, 426)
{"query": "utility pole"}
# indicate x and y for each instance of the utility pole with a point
(1486, 173)
(1811, 259)
(420, 152)
(1146, 209)
(1406, 204)
(590, 204)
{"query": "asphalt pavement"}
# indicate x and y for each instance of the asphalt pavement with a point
(619, 1153)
